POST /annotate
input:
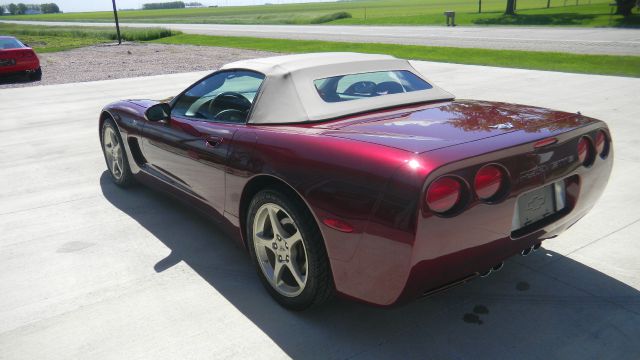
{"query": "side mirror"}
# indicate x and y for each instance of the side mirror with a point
(158, 112)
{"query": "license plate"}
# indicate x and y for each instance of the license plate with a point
(538, 204)
(7, 62)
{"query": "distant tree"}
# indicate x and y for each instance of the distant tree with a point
(50, 8)
(624, 7)
(13, 9)
(166, 5)
(22, 8)
(1, 10)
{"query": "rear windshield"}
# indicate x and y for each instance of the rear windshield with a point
(10, 44)
(371, 84)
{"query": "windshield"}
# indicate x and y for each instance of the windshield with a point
(371, 84)
(8, 43)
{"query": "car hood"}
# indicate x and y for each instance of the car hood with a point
(432, 127)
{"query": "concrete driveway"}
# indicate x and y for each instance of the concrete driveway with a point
(90, 271)
(605, 41)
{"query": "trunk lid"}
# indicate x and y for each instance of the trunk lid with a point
(426, 128)
(16, 53)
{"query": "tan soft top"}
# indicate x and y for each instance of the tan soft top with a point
(288, 93)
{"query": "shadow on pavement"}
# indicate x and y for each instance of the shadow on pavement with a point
(545, 306)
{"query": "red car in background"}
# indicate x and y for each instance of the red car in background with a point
(16, 58)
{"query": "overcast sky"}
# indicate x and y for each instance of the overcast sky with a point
(96, 5)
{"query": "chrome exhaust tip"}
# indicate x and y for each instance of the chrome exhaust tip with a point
(486, 273)
(498, 267)
(526, 251)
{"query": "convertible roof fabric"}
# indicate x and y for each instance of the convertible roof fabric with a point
(288, 93)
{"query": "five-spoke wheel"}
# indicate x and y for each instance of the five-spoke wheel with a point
(280, 250)
(113, 151)
(114, 154)
(288, 249)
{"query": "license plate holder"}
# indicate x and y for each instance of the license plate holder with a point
(539, 204)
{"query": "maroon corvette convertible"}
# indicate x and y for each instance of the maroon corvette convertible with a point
(352, 174)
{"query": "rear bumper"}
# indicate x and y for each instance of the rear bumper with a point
(20, 66)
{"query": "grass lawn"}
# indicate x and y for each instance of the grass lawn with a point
(588, 64)
(46, 44)
(387, 12)
(59, 38)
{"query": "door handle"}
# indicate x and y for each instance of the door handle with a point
(213, 141)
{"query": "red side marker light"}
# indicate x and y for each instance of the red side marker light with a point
(338, 225)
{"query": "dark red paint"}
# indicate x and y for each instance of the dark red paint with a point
(369, 174)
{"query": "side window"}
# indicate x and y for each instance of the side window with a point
(226, 96)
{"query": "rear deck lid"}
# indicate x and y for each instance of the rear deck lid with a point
(426, 128)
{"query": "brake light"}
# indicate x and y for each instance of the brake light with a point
(489, 181)
(602, 144)
(444, 194)
(26, 54)
(585, 151)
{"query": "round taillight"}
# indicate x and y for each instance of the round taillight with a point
(488, 182)
(585, 151)
(444, 194)
(602, 144)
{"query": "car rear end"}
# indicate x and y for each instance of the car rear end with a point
(514, 191)
(15, 57)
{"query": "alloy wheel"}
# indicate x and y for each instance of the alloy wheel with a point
(280, 250)
(113, 152)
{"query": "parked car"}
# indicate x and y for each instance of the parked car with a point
(18, 58)
(353, 174)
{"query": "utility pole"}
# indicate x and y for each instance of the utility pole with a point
(115, 15)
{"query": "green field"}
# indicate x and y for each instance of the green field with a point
(388, 12)
(59, 38)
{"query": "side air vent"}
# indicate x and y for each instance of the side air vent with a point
(136, 152)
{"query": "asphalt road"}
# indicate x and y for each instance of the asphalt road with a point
(605, 41)
(90, 271)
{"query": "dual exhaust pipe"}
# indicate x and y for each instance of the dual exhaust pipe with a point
(529, 250)
(499, 266)
(493, 269)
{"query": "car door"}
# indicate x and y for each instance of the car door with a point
(190, 149)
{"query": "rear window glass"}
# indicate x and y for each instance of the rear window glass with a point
(10, 44)
(371, 84)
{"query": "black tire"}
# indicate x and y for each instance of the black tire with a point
(36, 75)
(319, 286)
(126, 178)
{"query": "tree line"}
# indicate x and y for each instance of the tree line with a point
(167, 5)
(21, 9)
